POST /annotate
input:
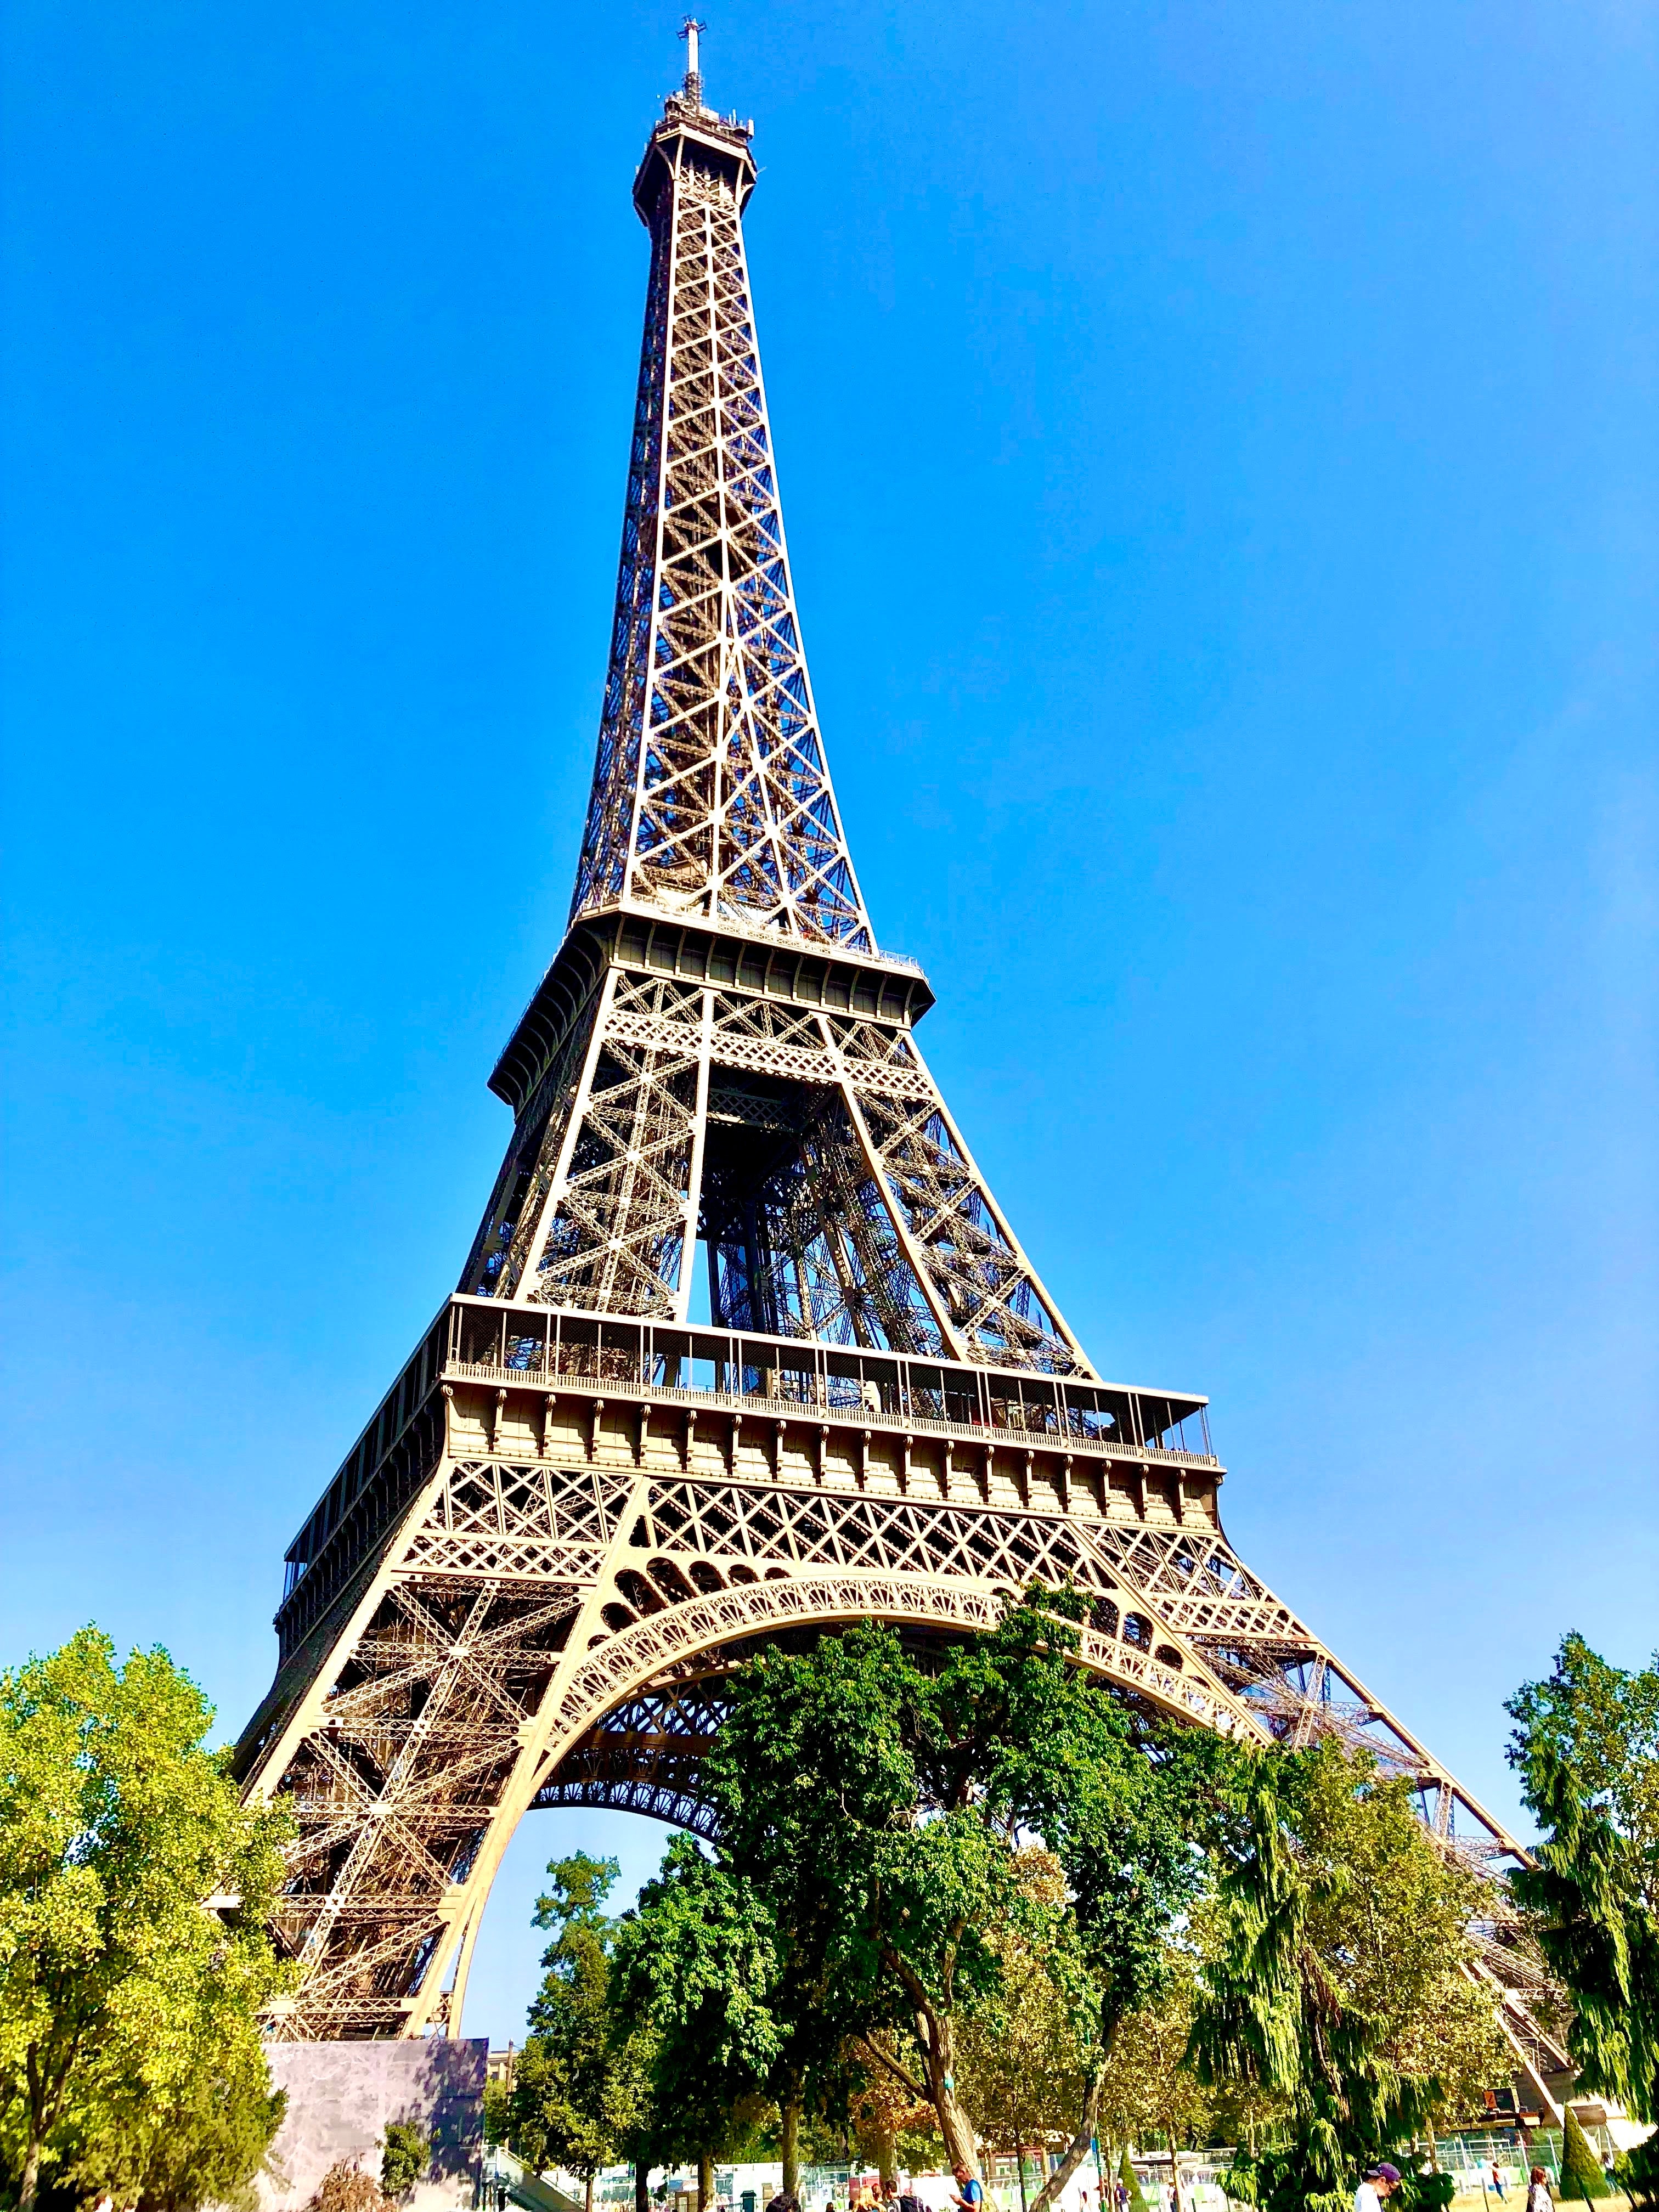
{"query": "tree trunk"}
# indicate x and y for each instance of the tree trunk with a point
(1175, 2168)
(887, 2162)
(934, 2035)
(588, 2198)
(1019, 2167)
(789, 2112)
(1077, 2149)
(705, 2183)
(31, 2180)
(641, 2187)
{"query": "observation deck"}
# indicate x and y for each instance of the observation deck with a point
(495, 1380)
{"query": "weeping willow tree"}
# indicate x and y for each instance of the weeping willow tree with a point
(1587, 1751)
(1336, 1982)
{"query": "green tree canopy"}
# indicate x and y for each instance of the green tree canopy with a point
(403, 2157)
(839, 1806)
(1581, 2170)
(579, 2086)
(872, 1793)
(1603, 1722)
(1587, 1748)
(1023, 2058)
(1336, 1976)
(129, 2047)
(698, 1960)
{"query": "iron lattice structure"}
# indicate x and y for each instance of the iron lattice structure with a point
(575, 1510)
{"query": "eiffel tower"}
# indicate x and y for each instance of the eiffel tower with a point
(576, 1508)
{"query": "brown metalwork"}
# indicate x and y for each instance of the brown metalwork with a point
(574, 1510)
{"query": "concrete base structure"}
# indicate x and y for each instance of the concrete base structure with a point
(340, 2098)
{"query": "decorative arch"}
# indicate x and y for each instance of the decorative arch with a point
(540, 1631)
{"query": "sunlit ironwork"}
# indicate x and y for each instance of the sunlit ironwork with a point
(575, 1509)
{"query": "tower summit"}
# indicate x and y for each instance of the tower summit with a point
(690, 30)
(575, 1506)
(721, 1052)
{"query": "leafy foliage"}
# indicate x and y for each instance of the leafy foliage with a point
(202, 2144)
(872, 1799)
(1603, 1722)
(1022, 2059)
(1148, 2088)
(403, 2157)
(1336, 1982)
(130, 2057)
(1581, 2170)
(1423, 2192)
(697, 1959)
(578, 2086)
(848, 1808)
(1131, 2181)
(1637, 2173)
(1587, 1748)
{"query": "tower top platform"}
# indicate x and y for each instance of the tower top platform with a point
(686, 121)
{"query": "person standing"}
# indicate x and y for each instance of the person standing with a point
(1379, 2184)
(1538, 2191)
(970, 2193)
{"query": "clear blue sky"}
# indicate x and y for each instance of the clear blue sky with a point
(1220, 449)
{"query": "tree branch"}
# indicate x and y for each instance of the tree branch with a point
(875, 2051)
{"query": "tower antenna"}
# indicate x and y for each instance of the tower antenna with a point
(688, 30)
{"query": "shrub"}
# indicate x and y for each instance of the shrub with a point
(1637, 2173)
(1581, 2170)
(1424, 2193)
(347, 2187)
(404, 2159)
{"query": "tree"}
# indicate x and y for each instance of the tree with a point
(1587, 1748)
(1131, 2181)
(578, 2086)
(1391, 1912)
(1120, 1798)
(127, 2005)
(1021, 2061)
(872, 1799)
(1337, 1981)
(1603, 1722)
(889, 2118)
(698, 1960)
(403, 2157)
(1149, 2087)
(202, 2143)
(1581, 2170)
(880, 1875)
(1637, 2173)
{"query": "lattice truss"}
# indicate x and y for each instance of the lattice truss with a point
(711, 793)
(814, 1153)
(543, 1633)
(546, 1634)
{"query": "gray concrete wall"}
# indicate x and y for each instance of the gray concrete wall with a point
(340, 2096)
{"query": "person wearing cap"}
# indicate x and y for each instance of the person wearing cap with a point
(1380, 2181)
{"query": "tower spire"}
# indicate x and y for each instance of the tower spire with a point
(711, 793)
(688, 30)
(768, 1104)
